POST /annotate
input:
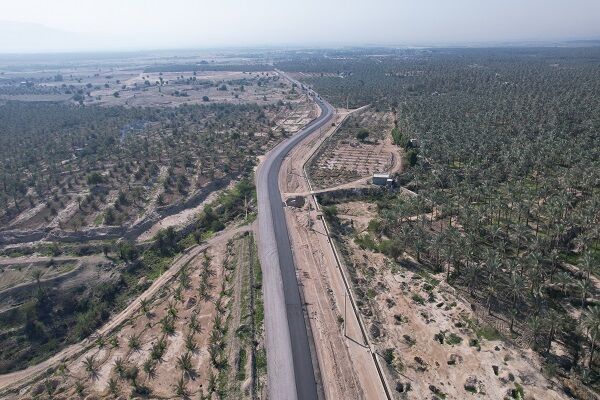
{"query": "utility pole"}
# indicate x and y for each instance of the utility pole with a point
(345, 320)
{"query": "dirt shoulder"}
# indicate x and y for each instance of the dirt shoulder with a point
(345, 363)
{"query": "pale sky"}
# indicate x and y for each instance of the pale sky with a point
(154, 24)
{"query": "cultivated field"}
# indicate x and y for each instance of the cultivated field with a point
(344, 157)
(127, 168)
(200, 335)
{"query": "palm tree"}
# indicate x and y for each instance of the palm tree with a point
(472, 276)
(563, 278)
(37, 275)
(535, 325)
(591, 322)
(555, 321)
(554, 260)
(79, 388)
(145, 306)
(172, 311)
(181, 388)
(184, 277)
(193, 324)
(120, 367)
(515, 289)
(89, 363)
(492, 268)
(149, 367)
(587, 264)
(190, 343)
(584, 287)
(158, 349)
(134, 342)
(167, 325)
(113, 387)
(184, 363)
(219, 305)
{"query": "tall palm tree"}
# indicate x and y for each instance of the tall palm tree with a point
(472, 277)
(555, 321)
(584, 287)
(37, 276)
(591, 323)
(515, 289)
(563, 279)
(492, 267)
(535, 324)
(587, 264)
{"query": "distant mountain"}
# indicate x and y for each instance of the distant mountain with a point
(20, 37)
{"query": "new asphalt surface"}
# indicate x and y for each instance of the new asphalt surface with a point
(289, 365)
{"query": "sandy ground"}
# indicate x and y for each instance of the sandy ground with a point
(365, 182)
(345, 363)
(20, 270)
(126, 318)
(409, 328)
(180, 219)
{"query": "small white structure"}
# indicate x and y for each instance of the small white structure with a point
(382, 179)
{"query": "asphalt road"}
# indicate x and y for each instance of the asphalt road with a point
(289, 365)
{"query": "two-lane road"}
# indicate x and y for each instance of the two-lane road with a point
(289, 365)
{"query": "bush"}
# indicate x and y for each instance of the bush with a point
(95, 178)
(411, 157)
(388, 356)
(362, 135)
(418, 299)
(453, 339)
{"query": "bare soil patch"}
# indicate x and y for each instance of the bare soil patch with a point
(427, 333)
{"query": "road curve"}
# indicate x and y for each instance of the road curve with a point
(289, 365)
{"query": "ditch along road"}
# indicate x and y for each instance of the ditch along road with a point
(290, 370)
(17, 379)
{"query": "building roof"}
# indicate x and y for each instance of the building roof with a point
(383, 176)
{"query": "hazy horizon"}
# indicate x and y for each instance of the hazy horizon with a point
(35, 26)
